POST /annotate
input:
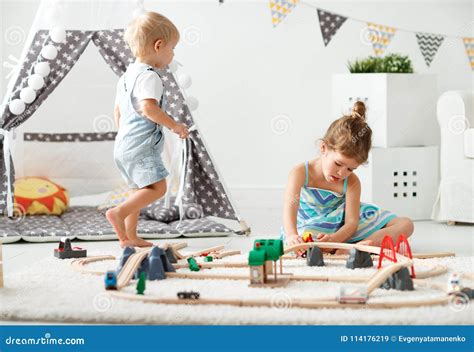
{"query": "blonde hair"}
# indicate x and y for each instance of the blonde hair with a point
(350, 135)
(145, 29)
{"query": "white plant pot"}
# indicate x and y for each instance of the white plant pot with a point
(402, 180)
(401, 108)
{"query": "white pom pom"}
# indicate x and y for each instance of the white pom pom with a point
(192, 103)
(35, 81)
(27, 95)
(42, 68)
(16, 107)
(185, 81)
(173, 66)
(49, 52)
(57, 35)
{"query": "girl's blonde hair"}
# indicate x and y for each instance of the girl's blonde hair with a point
(145, 29)
(350, 135)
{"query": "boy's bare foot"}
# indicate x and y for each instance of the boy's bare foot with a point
(139, 242)
(126, 243)
(117, 223)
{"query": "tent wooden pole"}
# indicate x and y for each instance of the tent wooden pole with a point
(1, 266)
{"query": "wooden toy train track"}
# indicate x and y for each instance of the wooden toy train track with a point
(371, 282)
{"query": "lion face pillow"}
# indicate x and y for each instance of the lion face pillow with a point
(37, 195)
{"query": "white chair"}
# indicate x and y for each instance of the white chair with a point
(455, 198)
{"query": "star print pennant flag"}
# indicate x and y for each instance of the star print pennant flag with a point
(429, 45)
(329, 24)
(280, 9)
(469, 44)
(380, 37)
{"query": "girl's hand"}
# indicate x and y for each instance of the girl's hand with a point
(292, 240)
(323, 237)
(181, 130)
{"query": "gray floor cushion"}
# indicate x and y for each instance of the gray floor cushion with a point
(87, 223)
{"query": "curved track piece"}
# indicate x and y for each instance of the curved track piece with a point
(295, 303)
(79, 264)
(130, 268)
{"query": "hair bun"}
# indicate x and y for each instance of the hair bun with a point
(358, 110)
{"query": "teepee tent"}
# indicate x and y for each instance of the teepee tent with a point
(70, 46)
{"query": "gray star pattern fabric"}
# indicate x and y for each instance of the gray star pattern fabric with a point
(202, 183)
(429, 45)
(3, 180)
(158, 211)
(69, 137)
(68, 54)
(330, 24)
(87, 223)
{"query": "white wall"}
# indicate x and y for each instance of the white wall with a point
(246, 73)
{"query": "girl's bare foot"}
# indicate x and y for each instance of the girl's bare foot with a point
(139, 242)
(346, 251)
(366, 243)
(117, 223)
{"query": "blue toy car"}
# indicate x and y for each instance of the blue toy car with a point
(110, 280)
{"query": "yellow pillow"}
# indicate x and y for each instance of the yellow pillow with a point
(37, 195)
(116, 197)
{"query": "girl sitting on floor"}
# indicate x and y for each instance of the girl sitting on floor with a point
(323, 194)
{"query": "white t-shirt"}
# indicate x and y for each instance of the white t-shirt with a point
(147, 86)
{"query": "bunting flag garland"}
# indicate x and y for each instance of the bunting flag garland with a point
(280, 9)
(429, 45)
(380, 36)
(329, 24)
(469, 44)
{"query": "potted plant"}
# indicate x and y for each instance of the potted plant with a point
(400, 103)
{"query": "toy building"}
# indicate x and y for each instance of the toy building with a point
(65, 250)
(263, 264)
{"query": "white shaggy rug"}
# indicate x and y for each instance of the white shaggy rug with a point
(52, 291)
